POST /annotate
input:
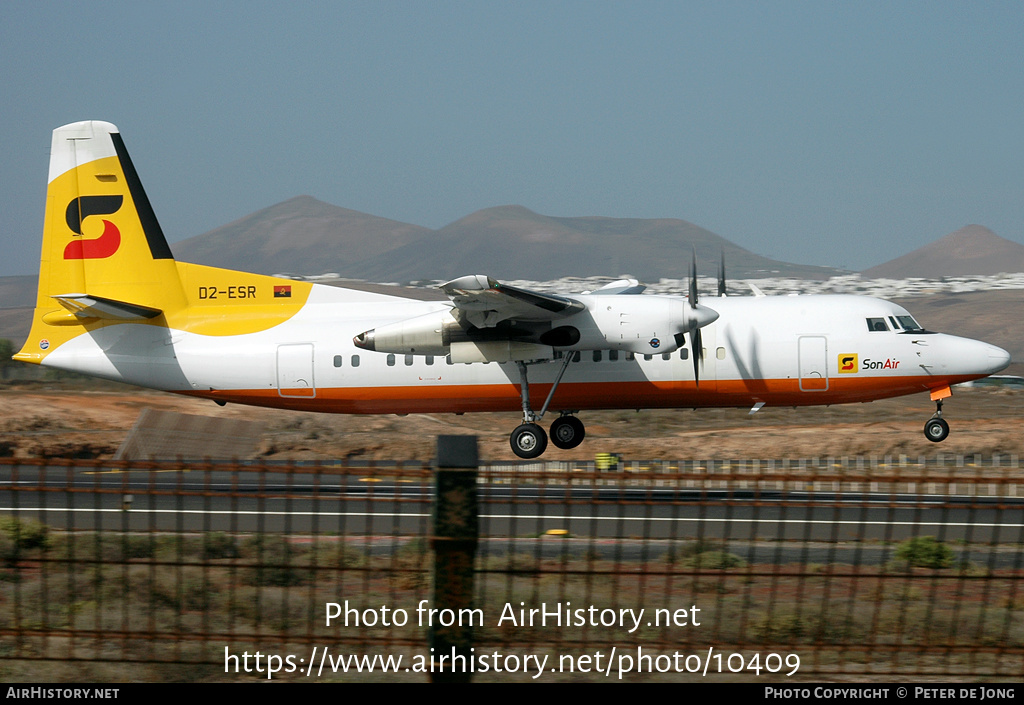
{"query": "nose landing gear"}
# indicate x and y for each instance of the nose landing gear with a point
(936, 429)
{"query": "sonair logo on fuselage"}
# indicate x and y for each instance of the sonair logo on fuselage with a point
(848, 363)
(106, 244)
(887, 364)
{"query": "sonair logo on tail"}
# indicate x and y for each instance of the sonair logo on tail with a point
(98, 248)
(848, 363)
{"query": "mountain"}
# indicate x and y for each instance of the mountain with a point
(972, 250)
(513, 242)
(306, 236)
(301, 235)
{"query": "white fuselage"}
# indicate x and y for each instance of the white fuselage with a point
(791, 350)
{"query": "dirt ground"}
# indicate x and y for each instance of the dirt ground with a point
(47, 420)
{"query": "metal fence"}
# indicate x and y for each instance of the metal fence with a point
(752, 570)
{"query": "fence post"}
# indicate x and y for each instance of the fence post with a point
(454, 540)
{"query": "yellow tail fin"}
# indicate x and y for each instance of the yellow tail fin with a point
(104, 256)
(105, 260)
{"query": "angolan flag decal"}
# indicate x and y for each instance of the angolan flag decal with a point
(282, 292)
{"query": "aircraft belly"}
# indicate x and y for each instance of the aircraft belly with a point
(228, 366)
(462, 398)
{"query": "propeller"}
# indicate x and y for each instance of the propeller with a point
(697, 317)
(696, 343)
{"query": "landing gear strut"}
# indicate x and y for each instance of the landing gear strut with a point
(528, 440)
(936, 429)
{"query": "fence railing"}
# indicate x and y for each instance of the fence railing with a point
(771, 570)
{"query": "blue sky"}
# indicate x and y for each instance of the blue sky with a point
(842, 134)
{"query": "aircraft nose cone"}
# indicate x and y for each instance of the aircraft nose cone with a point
(998, 358)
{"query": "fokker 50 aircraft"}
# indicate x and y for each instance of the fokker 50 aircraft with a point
(114, 303)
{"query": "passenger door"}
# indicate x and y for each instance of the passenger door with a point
(813, 363)
(295, 370)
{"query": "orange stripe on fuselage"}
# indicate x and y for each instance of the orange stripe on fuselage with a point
(436, 398)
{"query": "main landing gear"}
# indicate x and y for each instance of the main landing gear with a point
(529, 440)
(936, 429)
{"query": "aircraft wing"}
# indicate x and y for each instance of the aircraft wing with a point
(486, 302)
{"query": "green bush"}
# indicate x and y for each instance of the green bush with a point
(26, 534)
(715, 560)
(219, 545)
(925, 552)
(8, 550)
(278, 562)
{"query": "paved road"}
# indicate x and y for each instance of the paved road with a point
(353, 506)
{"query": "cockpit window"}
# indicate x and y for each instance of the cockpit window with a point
(908, 323)
(877, 324)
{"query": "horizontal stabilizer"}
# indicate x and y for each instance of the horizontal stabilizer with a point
(86, 306)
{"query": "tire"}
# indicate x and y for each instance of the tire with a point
(528, 441)
(567, 432)
(936, 430)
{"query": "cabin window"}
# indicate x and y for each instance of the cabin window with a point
(630, 356)
(597, 356)
(337, 360)
(909, 323)
(430, 359)
(391, 359)
(576, 356)
(613, 355)
(720, 353)
(684, 354)
(355, 361)
(448, 360)
(666, 356)
(877, 324)
(648, 357)
(408, 360)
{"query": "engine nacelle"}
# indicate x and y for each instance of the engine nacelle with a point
(429, 334)
(499, 351)
(645, 324)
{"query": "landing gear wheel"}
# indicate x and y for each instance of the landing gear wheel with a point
(936, 430)
(567, 432)
(528, 441)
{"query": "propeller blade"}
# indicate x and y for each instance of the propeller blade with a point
(696, 350)
(721, 275)
(692, 297)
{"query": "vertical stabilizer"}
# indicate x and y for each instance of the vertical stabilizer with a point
(104, 256)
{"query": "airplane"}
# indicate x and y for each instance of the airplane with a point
(114, 303)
